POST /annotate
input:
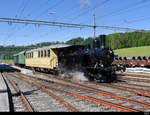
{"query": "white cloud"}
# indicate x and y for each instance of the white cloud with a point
(83, 3)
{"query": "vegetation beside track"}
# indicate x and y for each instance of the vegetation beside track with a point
(6, 61)
(136, 51)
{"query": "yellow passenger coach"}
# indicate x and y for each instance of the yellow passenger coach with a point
(45, 58)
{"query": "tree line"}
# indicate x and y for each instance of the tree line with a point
(113, 41)
(128, 40)
(118, 40)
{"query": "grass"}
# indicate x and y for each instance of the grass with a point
(136, 51)
(6, 61)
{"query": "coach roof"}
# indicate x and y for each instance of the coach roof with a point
(19, 53)
(50, 47)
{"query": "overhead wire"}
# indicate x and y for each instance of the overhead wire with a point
(137, 19)
(125, 8)
(88, 10)
(85, 12)
(19, 9)
(60, 24)
(23, 7)
(67, 12)
(37, 9)
(22, 10)
(9, 34)
(53, 6)
(48, 9)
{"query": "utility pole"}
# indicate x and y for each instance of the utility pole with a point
(94, 26)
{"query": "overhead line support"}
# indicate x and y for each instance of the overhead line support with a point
(59, 24)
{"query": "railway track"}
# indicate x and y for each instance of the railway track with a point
(129, 83)
(24, 100)
(96, 91)
(30, 100)
(116, 97)
(123, 86)
(72, 92)
(78, 95)
(135, 75)
(120, 87)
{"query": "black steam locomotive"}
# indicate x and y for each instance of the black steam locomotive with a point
(96, 62)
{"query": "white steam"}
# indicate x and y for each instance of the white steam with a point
(75, 75)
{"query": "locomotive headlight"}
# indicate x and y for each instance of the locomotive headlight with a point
(102, 65)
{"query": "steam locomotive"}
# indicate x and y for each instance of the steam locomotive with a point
(95, 62)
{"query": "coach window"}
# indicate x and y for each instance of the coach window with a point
(32, 54)
(45, 53)
(48, 53)
(41, 53)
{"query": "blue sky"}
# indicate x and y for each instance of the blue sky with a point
(121, 13)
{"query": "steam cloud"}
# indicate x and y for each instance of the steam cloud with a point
(75, 75)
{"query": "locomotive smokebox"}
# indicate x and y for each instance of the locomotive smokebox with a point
(103, 41)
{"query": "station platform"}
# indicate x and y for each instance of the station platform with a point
(4, 99)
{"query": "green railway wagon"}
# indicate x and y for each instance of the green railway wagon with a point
(19, 59)
(15, 58)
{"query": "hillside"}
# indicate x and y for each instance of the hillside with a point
(136, 51)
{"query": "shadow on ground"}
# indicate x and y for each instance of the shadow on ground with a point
(7, 68)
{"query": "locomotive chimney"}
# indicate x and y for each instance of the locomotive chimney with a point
(103, 41)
